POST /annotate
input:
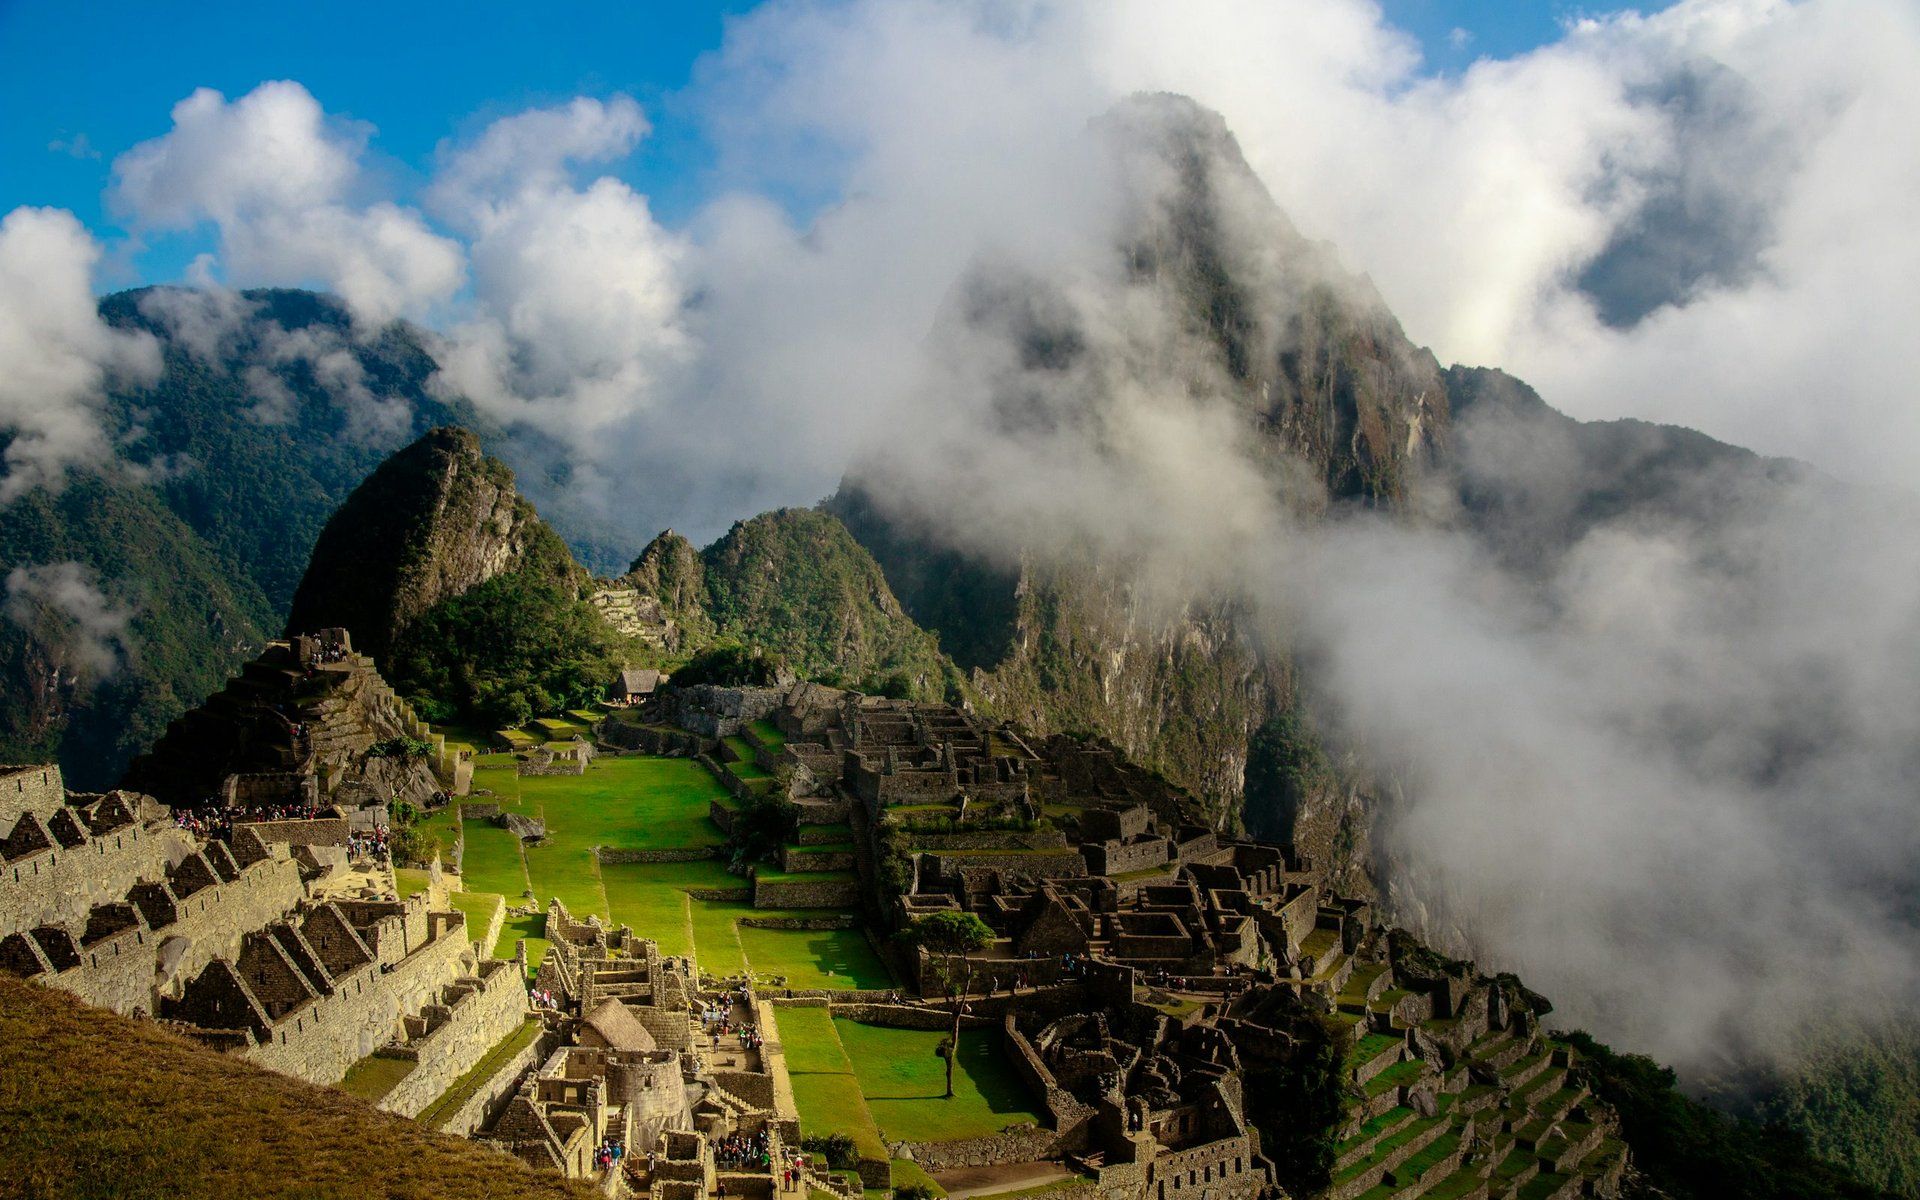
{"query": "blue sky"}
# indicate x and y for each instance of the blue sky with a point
(81, 83)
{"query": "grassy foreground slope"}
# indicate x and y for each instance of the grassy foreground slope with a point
(95, 1105)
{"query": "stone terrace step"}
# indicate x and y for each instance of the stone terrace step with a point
(1370, 1134)
(1523, 1072)
(1535, 1091)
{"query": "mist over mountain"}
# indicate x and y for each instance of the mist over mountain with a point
(1123, 447)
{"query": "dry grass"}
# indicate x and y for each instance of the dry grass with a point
(93, 1106)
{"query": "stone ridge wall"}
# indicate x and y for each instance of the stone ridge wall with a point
(321, 1040)
(481, 1020)
(120, 973)
(668, 855)
(720, 893)
(841, 893)
(319, 831)
(58, 886)
(39, 790)
(647, 739)
(490, 1097)
(1061, 1106)
(906, 1016)
(736, 786)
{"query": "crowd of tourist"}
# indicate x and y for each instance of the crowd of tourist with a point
(217, 820)
(743, 1150)
(543, 999)
(608, 1155)
(368, 844)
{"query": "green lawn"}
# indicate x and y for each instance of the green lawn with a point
(628, 803)
(815, 958)
(373, 1077)
(825, 1088)
(491, 861)
(651, 897)
(531, 928)
(904, 1082)
(478, 907)
(409, 880)
(769, 734)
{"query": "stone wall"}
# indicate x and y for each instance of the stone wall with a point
(1064, 864)
(991, 839)
(39, 790)
(57, 885)
(1020, 1144)
(475, 1024)
(321, 1040)
(796, 858)
(839, 893)
(648, 739)
(844, 920)
(490, 1097)
(669, 854)
(1120, 858)
(319, 831)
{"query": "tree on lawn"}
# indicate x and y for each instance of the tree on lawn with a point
(953, 938)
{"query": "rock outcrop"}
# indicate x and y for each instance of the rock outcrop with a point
(436, 520)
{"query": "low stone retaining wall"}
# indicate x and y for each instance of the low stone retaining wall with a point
(843, 893)
(794, 859)
(1020, 1144)
(909, 1016)
(836, 921)
(720, 815)
(480, 810)
(668, 855)
(318, 831)
(991, 839)
(647, 739)
(736, 894)
(821, 835)
(736, 786)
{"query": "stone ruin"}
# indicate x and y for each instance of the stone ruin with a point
(241, 942)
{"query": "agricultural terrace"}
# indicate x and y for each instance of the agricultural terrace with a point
(642, 803)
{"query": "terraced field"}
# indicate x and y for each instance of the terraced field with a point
(689, 907)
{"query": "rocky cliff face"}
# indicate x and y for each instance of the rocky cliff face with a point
(1338, 406)
(436, 520)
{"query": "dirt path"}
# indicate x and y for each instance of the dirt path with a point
(964, 1182)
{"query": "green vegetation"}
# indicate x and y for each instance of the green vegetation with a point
(451, 1100)
(374, 1076)
(901, 1073)
(1854, 1091)
(1286, 769)
(1300, 1104)
(815, 958)
(795, 585)
(729, 664)
(953, 938)
(519, 645)
(80, 1089)
(1691, 1152)
(205, 560)
(824, 1086)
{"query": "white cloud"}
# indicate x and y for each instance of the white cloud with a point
(56, 355)
(279, 180)
(577, 291)
(61, 605)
